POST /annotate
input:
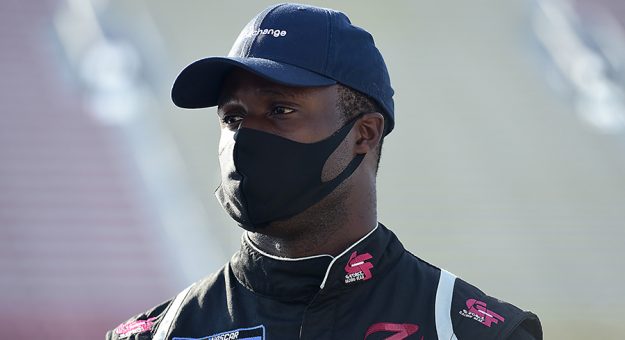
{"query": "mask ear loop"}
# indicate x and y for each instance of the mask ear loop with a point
(329, 186)
(354, 163)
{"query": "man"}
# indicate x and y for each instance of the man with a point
(304, 101)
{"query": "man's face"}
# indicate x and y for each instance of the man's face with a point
(302, 114)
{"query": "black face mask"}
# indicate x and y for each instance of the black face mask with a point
(266, 177)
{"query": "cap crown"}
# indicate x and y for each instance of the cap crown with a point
(323, 41)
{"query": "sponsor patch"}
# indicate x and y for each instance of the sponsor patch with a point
(358, 268)
(477, 310)
(134, 327)
(397, 331)
(253, 333)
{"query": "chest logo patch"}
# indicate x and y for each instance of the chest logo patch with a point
(357, 268)
(400, 330)
(253, 333)
(477, 311)
(134, 327)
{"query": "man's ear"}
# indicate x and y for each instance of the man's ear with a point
(369, 132)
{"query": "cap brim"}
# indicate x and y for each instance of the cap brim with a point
(199, 84)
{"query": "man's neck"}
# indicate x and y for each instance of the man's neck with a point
(322, 241)
(329, 227)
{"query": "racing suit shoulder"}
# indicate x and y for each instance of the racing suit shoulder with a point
(144, 326)
(139, 327)
(476, 315)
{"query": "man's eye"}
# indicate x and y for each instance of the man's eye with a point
(231, 120)
(281, 110)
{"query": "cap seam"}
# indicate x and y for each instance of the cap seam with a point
(329, 40)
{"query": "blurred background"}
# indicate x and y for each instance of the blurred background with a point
(506, 167)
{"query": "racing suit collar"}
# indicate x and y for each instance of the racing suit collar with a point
(299, 280)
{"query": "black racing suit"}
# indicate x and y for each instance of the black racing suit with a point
(374, 290)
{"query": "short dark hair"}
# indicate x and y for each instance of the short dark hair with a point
(351, 103)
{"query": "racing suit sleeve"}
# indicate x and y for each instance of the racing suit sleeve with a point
(476, 315)
(528, 330)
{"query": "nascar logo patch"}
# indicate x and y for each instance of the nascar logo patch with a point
(253, 333)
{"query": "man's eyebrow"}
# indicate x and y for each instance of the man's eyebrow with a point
(265, 91)
(275, 91)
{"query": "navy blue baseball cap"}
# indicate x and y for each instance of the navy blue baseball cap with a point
(295, 45)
